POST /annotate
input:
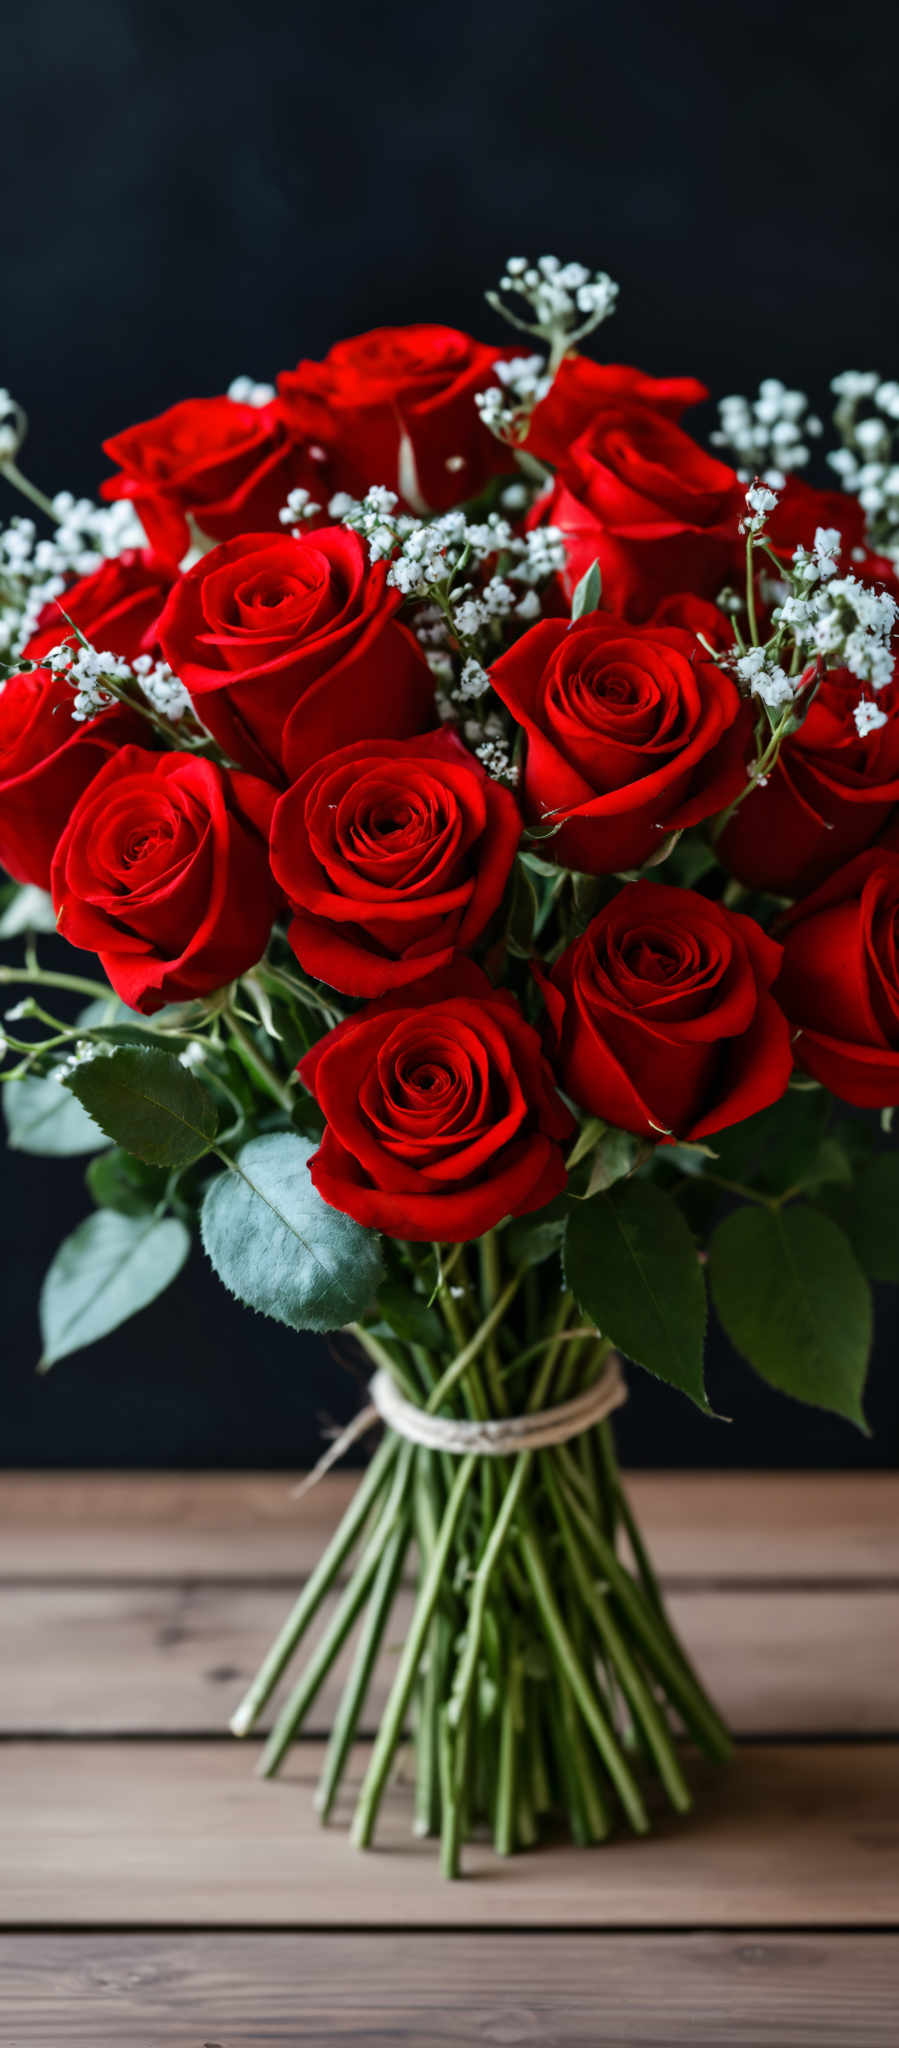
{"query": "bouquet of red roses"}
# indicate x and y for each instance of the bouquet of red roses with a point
(482, 803)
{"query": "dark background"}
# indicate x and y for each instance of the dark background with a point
(196, 192)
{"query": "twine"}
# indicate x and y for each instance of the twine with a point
(502, 1435)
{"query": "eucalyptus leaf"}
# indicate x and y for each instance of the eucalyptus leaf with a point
(44, 1118)
(146, 1101)
(26, 909)
(794, 1300)
(633, 1268)
(281, 1249)
(109, 1268)
(587, 592)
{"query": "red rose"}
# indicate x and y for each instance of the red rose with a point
(646, 502)
(397, 408)
(582, 388)
(392, 855)
(46, 760)
(117, 607)
(632, 732)
(663, 1018)
(230, 465)
(291, 647)
(698, 616)
(442, 1117)
(163, 871)
(840, 980)
(830, 795)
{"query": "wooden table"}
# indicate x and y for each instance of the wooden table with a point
(154, 1892)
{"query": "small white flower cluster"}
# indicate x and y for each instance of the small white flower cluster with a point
(506, 406)
(768, 435)
(845, 624)
(761, 499)
(81, 1054)
(245, 391)
(13, 427)
(35, 571)
(425, 555)
(300, 505)
(494, 755)
(90, 671)
(868, 462)
(559, 296)
(764, 678)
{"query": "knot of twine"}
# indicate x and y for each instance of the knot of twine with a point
(501, 1435)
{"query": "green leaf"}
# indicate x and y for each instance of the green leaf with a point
(778, 1148)
(793, 1299)
(522, 910)
(409, 1316)
(868, 1211)
(632, 1266)
(110, 1267)
(587, 592)
(531, 1239)
(147, 1102)
(26, 909)
(277, 1246)
(43, 1117)
(117, 1181)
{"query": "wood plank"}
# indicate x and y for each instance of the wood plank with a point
(377, 1991)
(168, 1834)
(706, 1525)
(174, 1658)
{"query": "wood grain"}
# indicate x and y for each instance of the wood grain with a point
(452, 1991)
(115, 1834)
(174, 1657)
(717, 1526)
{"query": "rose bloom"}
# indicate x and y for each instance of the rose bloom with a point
(840, 980)
(654, 509)
(662, 1015)
(582, 388)
(632, 732)
(396, 407)
(291, 647)
(163, 871)
(697, 615)
(229, 465)
(442, 1116)
(46, 758)
(392, 855)
(830, 795)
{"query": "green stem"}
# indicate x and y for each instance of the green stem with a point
(44, 977)
(469, 1352)
(353, 1697)
(460, 1703)
(11, 471)
(395, 1711)
(315, 1672)
(266, 1072)
(316, 1587)
(563, 1651)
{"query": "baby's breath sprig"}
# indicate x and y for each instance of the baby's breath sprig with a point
(564, 302)
(868, 461)
(768, 435)
(99, 679)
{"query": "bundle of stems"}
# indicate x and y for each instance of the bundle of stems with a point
(540, 1677)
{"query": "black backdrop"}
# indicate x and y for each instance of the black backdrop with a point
(196, 192)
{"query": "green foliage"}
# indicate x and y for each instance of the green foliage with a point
(147, 1102)
(868, 1211)
(109, 1268)
(587, 592)
(25, 909)
(781, 1148)
(531, 1239)
(42, 1117)
(277, 1246)
(632, 1266)
(409, 1315)
(116, 1180)
(793, 1299)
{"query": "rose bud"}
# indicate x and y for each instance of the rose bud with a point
(632, 733)
(392, 855)
(163, 871)
(839, 983)
(441, 1112)
(662, 1016)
